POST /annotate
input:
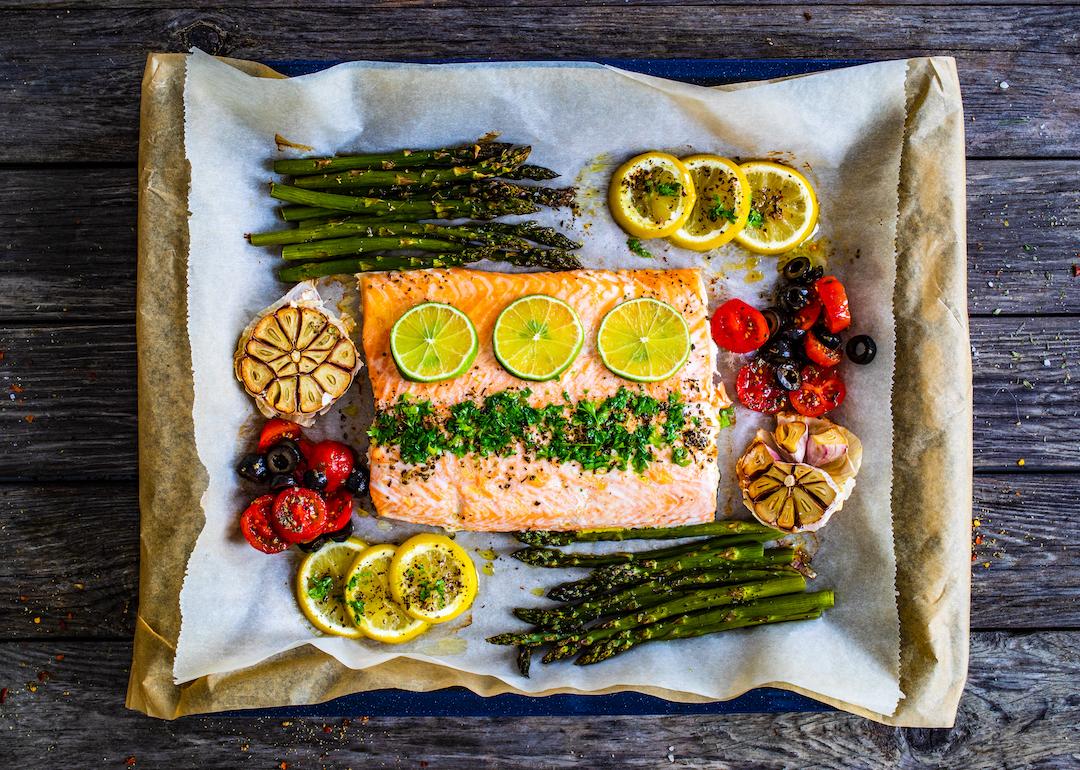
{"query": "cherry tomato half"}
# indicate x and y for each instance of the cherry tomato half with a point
(299, 514)
(255, 524)
(820, 353)
(739, 327)
(332, 458)
(822, 391)
(275, 430)
(758, 389)
(339, 508)
(834, 303)
(807, 316)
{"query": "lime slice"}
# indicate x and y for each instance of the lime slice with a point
(433, 342)
(643, 340)
(537, 337)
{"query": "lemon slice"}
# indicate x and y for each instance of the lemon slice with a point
(433, 342)
(722, 205)
(651, 195)
(643, 340)
(537, 337)
(370, 604)
(783, 208)
(433, 578)
(320, 587)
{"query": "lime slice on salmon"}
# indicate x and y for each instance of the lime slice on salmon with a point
(433, 342)
(643, 340)
(537, 337)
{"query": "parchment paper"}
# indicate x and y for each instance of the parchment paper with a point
(305, 675)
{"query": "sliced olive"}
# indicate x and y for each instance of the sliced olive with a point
(253, 467)
(788, 376)
(315, 479)
(283, 457)
(280, 481)
(861, 349)
(311, 546)
(357, 482)
(793, 335)
(795, 268)
(811, 275)
(343, 534)
(794, 298)
(777, 350)
(829, 340)
(773, 319)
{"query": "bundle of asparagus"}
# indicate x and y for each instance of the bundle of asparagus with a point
(727, 580)
(355, 213)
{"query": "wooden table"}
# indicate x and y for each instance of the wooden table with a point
(69, 79)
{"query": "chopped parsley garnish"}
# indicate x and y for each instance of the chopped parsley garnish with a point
(320, 589)
(719, 211)
(636, 246)
(663, 188)
(357, 607)
(727, 417)
(620, 432)
(756, 219)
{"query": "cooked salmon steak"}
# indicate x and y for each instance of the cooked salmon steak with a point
(438, 459)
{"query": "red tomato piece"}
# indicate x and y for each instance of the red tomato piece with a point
(807, 317)
(820, 353)
(275, 430)
(339, 507)
(822, 391)
(299, 515)
(334, 459)
(255, 524)
(739, 327)
(834, 303)
(758, 389)
(307, 447)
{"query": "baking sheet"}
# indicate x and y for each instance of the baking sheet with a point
(847, 126)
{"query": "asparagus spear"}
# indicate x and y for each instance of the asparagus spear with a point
(773, 610)
(364, 245)
(486, 189)
(682, 604)
(552, 259)
(643, 595)
(349, 226)
(297, 213)
(421, 177)
(533, 232)
(307, 270)
(549, 557)
(524, 660)
(446, 156)
(535, 173)
(417, 209)
(709, 529)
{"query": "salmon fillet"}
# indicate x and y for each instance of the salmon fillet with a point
(521, 491)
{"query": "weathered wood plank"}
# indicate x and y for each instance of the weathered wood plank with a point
(1019, 710)
(90, 104)
(70, 411)
(70, 243)
(70, 558)
(453, 4)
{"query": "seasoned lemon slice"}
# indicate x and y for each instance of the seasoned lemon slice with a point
(296, 360)
(370, 604)
(721, 207)
(320, 587)
(433, 578)
(783, 208)
(651, 195)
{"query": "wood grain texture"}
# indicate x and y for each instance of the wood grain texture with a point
(69, 236)
(70, 406)
(1020, 709)
(90, 104)
(70, 558)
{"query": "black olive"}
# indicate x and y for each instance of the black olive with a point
(828, 339)
(788, 376)
(795, 268)
(280, 481)
(311, 546)
(343, 534)
(253, 467)
(793, 335)
(811, 275)
(861, 349)
(283, 457)
(315, 479)
(776, 319)
(794, 298)
(357, 482)
(777, 350)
